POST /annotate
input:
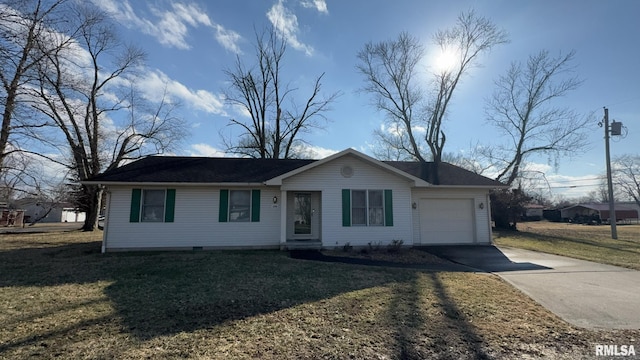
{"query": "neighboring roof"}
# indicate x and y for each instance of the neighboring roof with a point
(203, 170)
(28, 201)
(602, 207)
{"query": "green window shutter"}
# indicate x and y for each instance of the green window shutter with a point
(224, 206)
(346, 207)
(255, 205)
(134, 215)
(388, 208)
(170, 205)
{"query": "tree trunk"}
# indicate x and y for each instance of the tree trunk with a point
(93, 196)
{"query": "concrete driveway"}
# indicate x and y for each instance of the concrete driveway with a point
(583, 293)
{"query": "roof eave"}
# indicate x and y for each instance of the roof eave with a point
(158, 183)
(488, 187)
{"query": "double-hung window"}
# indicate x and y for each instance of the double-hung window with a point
(367, 208)
(239, 206)
(152, 205)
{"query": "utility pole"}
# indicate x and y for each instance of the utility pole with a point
(612, 207)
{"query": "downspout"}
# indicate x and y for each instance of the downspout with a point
(283, 219)
(106, 221)
(488, 196)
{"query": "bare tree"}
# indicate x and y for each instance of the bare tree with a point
(24, 29)
(18, 178)
(472, 36)
(391, 74)
(276, 122)
(390, 71)
(522, 108)
(627, 176)
(88, 94)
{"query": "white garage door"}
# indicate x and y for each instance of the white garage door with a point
(446, 221)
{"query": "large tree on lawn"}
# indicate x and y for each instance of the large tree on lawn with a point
(88, 93)
(392, 76)
(25, 40)
(525, 109)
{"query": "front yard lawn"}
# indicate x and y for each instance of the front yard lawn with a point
(61, 298)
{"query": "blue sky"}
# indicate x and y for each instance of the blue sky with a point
(190, 43)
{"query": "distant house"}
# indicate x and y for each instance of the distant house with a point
(588, 213)
(533, 212)
(50, 212)
(10, 216)
(348, 198)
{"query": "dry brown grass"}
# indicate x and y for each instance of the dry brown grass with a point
(587, 242)
(61, 298)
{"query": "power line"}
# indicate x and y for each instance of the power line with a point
(624, 101)
(576, 180)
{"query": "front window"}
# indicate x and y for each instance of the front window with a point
(376, 208)
(359, 207)
(367, 207)
(239, 205)
(153, 205)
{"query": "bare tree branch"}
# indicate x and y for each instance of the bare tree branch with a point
(627, 175)
(521, 108)
(89, 95)
(275, 122)
(25, 31)
(390, 71)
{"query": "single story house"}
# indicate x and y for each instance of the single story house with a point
(598, 212)
(50, 212)
(11, 217)
(161, 202)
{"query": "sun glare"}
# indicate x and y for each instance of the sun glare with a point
(445, 60)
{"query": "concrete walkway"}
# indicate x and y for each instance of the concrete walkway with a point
(583, 293)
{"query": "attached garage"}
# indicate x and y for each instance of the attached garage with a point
(446, 221)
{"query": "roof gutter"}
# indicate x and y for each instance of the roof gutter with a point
(488, 187)
(159, 183)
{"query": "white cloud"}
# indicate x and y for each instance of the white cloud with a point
(286, 24)
(154, 83)
(205, 150)
(319, 5)
(418, 129)
(229, 39)
(171, 26)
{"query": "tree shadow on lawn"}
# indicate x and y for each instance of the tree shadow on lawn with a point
(429, 322)
(166, 293)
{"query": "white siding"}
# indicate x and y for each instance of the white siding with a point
(476, 197)
(195, 224)
(70, 215)
(328, 179)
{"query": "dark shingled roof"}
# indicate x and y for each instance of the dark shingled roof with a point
(176, 169)
(449, 174)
